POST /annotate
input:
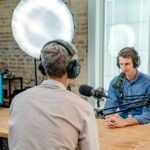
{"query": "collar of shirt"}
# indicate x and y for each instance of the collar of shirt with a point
(53, 84)
(138, 75)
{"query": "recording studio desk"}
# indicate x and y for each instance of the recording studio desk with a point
(4, 122)
(128, 138)
(3, 125)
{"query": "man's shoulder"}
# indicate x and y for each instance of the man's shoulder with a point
(144, 76)
(24, 92)
(113, 79)
(73, 95)
(78, 100)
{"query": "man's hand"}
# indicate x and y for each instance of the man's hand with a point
(115, 121)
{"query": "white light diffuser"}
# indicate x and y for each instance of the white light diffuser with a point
(35, 22)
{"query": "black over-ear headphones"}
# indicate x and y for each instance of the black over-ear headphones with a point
(136, 60)
(73, 68)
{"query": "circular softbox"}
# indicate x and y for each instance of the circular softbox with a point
(35, 22)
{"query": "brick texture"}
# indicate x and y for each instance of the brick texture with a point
(17, 61)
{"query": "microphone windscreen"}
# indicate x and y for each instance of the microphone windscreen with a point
(118, 82)
(85, 90)
(122, 75)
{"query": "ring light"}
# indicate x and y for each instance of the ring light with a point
(35, 22)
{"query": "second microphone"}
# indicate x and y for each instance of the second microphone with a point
(90, 91)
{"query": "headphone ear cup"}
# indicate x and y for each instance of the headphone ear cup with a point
(41, 68)
(137, 62)
(117, 60)
(73, 69)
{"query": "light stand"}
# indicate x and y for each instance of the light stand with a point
(35, 71)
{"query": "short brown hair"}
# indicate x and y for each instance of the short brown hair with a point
(129, 52)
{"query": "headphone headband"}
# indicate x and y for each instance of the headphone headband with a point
(73, 68)
(65, 44)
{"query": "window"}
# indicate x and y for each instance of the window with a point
(126, 24)
(114, 24)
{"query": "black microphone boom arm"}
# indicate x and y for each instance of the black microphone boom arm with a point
(131, 105)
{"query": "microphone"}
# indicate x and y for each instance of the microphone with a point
(89, 91)
(118, 82)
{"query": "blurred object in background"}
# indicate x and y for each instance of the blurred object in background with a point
(3, 67)
(8, 74)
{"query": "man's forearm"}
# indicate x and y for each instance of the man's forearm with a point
(118, 122)
(131, 121)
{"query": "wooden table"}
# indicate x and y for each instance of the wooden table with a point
(128, 138)
(4, 122)
(3, 125)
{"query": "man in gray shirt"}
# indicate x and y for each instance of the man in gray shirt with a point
(48, 116)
